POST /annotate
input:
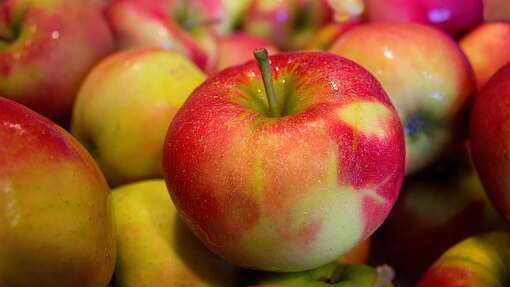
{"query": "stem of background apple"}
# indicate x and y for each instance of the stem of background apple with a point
(262, 57)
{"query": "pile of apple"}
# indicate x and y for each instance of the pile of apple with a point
(255, 143)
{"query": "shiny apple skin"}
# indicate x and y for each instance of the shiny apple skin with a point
(288, 193)
(490, 139)
(43, 66)
(451, 16)
(427, 77)
(56, 226)
(487, 49)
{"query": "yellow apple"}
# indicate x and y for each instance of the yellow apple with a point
(125, 106)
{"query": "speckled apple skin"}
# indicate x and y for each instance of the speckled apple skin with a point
(56, 224)
(151, 23)
(487, 48)
(290, 193)
(490, 139)
(426, 75)
(451, 16)
(44, 66)
(124, 107)
(479, 261)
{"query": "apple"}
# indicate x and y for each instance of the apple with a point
(178, 25)
(357, 255)
(237, 48)
(451, 16)
(438, 209)
(487, 49)
(291, 182)
(482, 260)
(46, 53)
(490, 140)
(347, 10)
(155, 249)
(426, 75)
(125, 106)
(333, 274)
(496, 10)
(327, 35)
(56, 224)
(287, 23)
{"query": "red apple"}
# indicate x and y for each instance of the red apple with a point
(435, 211)
(291, 185)
(46, 52)
(287, 23)
(56, 226)
(488, 49)
(490, 139)
(184, 26)
(426, 75)
(451, 16)
(237, 48)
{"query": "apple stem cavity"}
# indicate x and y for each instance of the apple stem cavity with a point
(262, 57)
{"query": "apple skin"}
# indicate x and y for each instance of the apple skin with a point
(451, 16)
(55, 206)
(327, 35)
(496, 10)
(490, 140)
(287, 23)
(481, 260)
(357, 255)
(426, 75)
(487, 49)
(333, 274)
(438, 208)
(289, 193)
(50, 38)
(159, 23)
(155, 249)
(237, 48)
(122, 96)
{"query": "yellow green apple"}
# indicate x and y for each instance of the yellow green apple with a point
(56, 226)
(125, 106)
(155, 249)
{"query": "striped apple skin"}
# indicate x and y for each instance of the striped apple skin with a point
(288, 193)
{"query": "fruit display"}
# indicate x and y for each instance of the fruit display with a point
(254, 143)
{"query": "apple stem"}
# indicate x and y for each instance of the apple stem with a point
(262, 57)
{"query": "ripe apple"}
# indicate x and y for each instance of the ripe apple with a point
(125, 106)
(287, 23)
(46, 52)
(155, 249)
(496, 10)
(487, 48)
(293, 184)
(426, 75)
(451, 16)
(490, 139)
(237, 48)
(327, 35)
(178, 25)
(357, 255)
(56, 224)
(482, 260)
(333, 274)
(435, 211)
